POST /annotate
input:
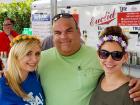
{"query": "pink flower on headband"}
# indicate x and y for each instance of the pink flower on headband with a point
(112, 38)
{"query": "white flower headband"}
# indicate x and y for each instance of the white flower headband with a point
(112, 38)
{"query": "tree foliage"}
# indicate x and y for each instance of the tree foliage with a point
(20, 12)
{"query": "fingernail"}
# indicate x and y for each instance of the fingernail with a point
(131, 96)
(130, 84)
(134, 99)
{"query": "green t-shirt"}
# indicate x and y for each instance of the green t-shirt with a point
(69, 80)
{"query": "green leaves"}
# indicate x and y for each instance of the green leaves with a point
(20, 12)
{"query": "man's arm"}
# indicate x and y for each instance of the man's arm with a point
(135, 89)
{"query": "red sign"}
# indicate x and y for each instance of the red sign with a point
(76, 17)
(128, 19)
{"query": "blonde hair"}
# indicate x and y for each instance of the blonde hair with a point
(17, 52)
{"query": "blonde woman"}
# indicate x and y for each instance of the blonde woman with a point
(20, 85)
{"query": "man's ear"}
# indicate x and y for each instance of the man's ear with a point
(79, 30)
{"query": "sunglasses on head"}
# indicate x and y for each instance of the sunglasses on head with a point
(64, 15)
(7, 24)
(116, 55)
(58, 16)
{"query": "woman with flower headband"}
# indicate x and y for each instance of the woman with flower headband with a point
(113, 85)
(20, 85)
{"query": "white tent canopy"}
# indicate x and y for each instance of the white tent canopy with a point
(74, 2)
(65, 3)
(9, 1)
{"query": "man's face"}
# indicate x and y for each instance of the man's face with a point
(66, 36)
(7, 25)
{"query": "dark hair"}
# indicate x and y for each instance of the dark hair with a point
(64, 15)
(114, 31)
(11, 20)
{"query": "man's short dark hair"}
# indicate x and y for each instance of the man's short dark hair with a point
(11, 20)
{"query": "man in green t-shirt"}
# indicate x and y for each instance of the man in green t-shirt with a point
(69, 71)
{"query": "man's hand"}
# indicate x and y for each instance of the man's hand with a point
(1, 73)
(135, 89)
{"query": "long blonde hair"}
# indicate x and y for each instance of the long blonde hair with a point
(21, 45)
